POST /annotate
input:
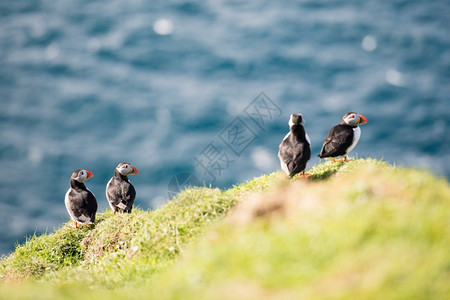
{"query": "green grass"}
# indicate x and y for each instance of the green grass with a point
(361, 229)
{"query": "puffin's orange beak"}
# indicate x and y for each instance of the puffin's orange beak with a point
(363, 120)
(89, 174)
(134, 171)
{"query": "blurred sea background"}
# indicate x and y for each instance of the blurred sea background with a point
(89, 84)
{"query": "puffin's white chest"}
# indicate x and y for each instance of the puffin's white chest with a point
(356, 136)
(67, 203)
(107, 196)
(66, 198)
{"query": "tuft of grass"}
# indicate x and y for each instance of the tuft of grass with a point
(259, 184)
(360, 229)
(40, 254)
(325, 170)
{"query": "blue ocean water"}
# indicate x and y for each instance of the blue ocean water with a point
(201, 91)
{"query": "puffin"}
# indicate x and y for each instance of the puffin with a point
(119, 190)
(79, 200)
(295, 149)
(342, 138)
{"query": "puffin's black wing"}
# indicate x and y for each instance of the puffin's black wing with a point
(337, 141)
(286, 154)
(295, 154)
(128, 195)
(91, 207)
(82, 205)
(120, 195)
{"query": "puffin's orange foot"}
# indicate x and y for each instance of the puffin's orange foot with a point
(284, 176)
(75, 224)
(304, 175)
(340, 160)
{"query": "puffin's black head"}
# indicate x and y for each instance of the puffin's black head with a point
(81, 175)
(353, 119)
(126, 168)
(296, 119)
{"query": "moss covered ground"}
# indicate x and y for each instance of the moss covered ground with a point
(362, 229)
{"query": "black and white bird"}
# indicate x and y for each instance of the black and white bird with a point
(119, 190)
(342, 138)
(80, 202)
(295, 149)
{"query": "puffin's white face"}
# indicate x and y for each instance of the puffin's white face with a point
(353, 119)
(127, 169)
(83, 175)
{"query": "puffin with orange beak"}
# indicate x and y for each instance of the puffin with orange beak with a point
(342, 138)
(119, 190)
(79, 200)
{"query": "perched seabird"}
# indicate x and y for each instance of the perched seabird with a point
(342, 138)
(119, 190)
(295, 149)
(80, 202)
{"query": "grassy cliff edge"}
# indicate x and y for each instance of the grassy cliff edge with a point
(363, 229)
